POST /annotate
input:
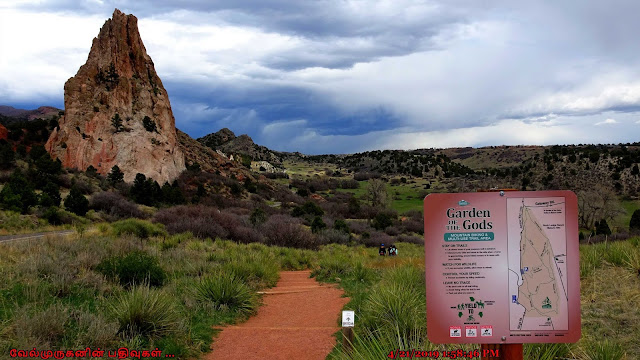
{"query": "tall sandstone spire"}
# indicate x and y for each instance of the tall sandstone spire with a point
(116, 110)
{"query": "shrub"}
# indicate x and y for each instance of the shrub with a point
(317, 225)
(359, 227)
(375, 239)
(139, 228)
(312, 208)
(332, 236)
(634, 223)
(280, 230)
(52, 215)
(76, 202)
(226, 293)
(341, 225)
(258, 216)
(392, 231)
(115, 205)
(397, 302)
(411, 239)
(149, 124)
(205, 221)
(135, 268)
(413, 225)
(47, 325)
(382, 221)
(145, 312)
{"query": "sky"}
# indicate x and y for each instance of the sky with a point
(344, 76)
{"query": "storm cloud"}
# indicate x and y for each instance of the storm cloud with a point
(345, 76)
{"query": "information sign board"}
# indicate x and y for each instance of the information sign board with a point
(502, 267)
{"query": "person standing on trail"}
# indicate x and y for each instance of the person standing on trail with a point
(382, 250)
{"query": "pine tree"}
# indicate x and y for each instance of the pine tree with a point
(602, 228)
(18, 194)
(116, 122)
(317, 225)
(76, 202)
(115, 176)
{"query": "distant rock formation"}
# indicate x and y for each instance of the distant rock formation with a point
(116, 110)
(225, 140)
(4, 133)
(43, 112)
(209, 160)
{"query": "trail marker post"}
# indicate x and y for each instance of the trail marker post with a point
(348, 322)
(485, 252)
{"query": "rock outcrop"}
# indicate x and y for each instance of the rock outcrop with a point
(4, 133)
(226, 141)
(209, 160)
(116, 110)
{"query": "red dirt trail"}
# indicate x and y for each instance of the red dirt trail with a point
(297, 321)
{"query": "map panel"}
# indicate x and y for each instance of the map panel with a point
(537, 264)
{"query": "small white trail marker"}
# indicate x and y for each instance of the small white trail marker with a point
(348, 317)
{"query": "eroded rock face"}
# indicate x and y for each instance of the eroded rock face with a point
(116, 110)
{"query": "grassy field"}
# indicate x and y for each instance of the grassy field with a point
(405, 197)
(388, 296)
(622, 221)
(109, 289)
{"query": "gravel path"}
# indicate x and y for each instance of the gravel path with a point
(10, 238)
(297, 321)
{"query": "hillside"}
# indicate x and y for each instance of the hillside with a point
(227, 142)
(9, 113)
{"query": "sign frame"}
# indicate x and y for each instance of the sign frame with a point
(486, 222)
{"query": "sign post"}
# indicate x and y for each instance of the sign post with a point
(348, 321)
(502, 269)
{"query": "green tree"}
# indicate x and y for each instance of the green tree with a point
(37, 151)
(115, 176)
(382, 221)
(634, 224)
(602, 228)
(258, 216)
(91, 171)
(7, 156)
(317, 225)
(116, 122)
(18, 193)
(50, 195)
(142, 190)
(76, 202)
(354, 205)
(312, 208)
(341, 225)
(377, 193)
(149, 124)
(171, 194)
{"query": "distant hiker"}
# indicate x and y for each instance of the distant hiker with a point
(382, 250)
(393, 251)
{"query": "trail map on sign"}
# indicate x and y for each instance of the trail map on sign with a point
(537, 267)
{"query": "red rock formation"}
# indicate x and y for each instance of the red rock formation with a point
(4, 133)
(118, 81)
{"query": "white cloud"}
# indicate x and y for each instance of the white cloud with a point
(606, 122)
(453, 82)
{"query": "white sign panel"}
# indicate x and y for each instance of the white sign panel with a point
(348, 317)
